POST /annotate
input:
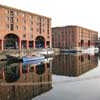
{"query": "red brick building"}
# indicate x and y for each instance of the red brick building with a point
(73, 37)
(21, 29)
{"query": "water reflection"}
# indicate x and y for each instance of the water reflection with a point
(24, 82)
(73, 64)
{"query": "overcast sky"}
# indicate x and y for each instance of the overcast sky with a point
(85, 13)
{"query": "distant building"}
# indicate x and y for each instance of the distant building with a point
(21, 29)
(73, 37)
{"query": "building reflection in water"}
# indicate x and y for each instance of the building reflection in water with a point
(73, 64)
(24, 82)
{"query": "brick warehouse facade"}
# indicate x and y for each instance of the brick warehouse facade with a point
(73, 37)
(21, 29)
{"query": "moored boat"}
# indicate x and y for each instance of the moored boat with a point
(33, 62)
(91, 50)
(69, 51)
(32, 58)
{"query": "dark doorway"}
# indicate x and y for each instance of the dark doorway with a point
(48, 44)
(88, 43)
(30, 44)
(24, 42)
(82, 43)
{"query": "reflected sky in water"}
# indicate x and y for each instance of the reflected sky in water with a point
(66, 77)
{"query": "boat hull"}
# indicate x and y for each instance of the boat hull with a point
(25, 59)
(69, 51)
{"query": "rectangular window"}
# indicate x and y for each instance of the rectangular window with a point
(24, 21)
(24, 35)
(8, 18)
(17, 27)
(31, 29)
(31, 36)
(48, 31)
(24, 28)
(11, 19)
(11, 12)
(37, 30)
(7, 26)
(31, 22)
(17, 19)
(48, 37)
(11, 27)
(8, 11)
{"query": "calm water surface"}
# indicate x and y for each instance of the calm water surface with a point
(66, 77)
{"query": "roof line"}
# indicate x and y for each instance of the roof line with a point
(24, 11)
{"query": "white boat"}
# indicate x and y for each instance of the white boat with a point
(38, 62)
(32, 58)
(91, 50)
(46, 52)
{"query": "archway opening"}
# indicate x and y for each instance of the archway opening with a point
(40, 42)
(11, 41)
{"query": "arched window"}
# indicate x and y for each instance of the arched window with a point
(40, 42)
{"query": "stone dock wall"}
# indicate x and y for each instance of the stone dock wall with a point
(20, 53)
